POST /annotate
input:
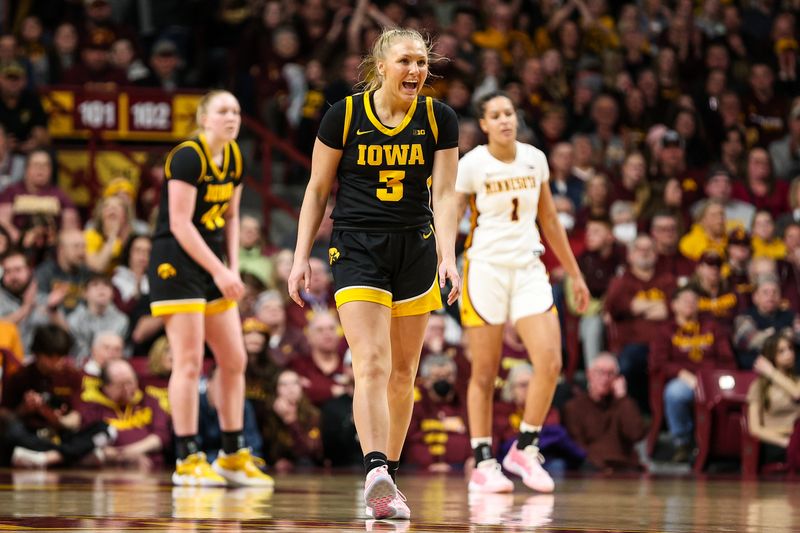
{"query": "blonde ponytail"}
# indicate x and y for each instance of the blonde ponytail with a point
(370, 79)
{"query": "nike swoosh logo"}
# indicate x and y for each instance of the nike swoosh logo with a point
(427, 235)
(359, 132)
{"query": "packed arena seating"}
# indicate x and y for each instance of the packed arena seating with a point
(672, 129)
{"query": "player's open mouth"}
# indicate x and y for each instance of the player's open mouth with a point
(410, 85)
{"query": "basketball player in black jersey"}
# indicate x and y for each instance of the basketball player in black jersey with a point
(389, 148)
(196, 292)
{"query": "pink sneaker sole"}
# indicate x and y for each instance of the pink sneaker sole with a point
(379, 497)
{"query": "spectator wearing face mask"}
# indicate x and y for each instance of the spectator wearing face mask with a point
(623, 218)
(438, 438)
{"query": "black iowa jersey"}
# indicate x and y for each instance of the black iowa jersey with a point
(191, 162)
(385, 173)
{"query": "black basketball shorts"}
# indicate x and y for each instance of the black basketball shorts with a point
(179, 285)
(397, 269)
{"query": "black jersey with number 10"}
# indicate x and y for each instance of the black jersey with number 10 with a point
(191, 162)
(385, 173)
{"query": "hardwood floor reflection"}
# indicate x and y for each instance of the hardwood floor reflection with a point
(128, 502)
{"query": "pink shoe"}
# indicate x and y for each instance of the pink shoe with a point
(401, 510)
(527, 464)
(488, 477)
(380, 493)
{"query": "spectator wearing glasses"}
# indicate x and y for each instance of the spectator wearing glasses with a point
(665, 231)
(604, 420)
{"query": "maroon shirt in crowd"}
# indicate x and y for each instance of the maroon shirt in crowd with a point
(598, 271)
(790, 283)
(693, 347)
(630, 329)
(143, 417)
(676, 265)
(723, 307)
(17, 195)
(776, 201)
(291, 345)
(607, 429)
(767, 119)
(319, 383)
(509, 358)
(59, 392)
(438, 432)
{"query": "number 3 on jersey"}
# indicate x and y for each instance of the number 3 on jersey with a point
(393, 192)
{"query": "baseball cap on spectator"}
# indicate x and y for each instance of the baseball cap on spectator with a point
(738, 237)
(711, 259)
(12, 70)
(671, 138)
(164, 47)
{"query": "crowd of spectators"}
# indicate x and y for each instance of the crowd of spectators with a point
(672, 129)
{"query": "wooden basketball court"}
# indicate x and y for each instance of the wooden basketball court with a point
(127, 502)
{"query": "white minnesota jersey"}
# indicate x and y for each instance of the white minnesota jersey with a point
(504, 202)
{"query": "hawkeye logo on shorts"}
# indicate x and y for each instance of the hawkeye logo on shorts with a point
(333, 255)
(166, 271)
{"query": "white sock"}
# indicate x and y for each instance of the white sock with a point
(477, 441)
(527, 428)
